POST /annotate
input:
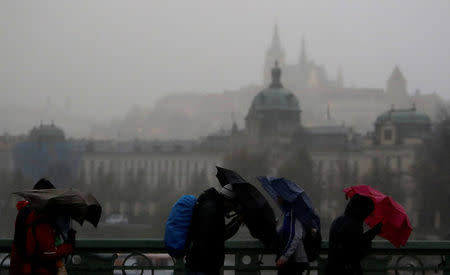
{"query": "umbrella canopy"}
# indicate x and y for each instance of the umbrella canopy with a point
(396, 226)
(78, 205)
(290, 192)
(227, 176)
(257, 214)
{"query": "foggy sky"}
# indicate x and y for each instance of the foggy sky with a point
(98, 58)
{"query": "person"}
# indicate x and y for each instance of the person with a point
(348, 243)
(292, 258)
(35, 249)
(207, 234)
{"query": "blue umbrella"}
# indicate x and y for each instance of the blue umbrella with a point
(293, 194)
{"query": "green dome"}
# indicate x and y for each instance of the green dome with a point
(275, 99)
(404, 117)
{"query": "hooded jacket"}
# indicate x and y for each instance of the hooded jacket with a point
(348, 244)
(207, 234)
(41, 254)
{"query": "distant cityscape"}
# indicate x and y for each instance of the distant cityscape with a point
(321, 98)
(345, 130)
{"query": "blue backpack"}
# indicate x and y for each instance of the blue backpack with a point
(177, 226)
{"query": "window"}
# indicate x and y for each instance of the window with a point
(388, 134)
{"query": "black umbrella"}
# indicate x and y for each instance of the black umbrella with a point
(78, 205)
(226, 176)
(257, 214)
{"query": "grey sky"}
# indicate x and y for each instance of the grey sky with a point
(108, 55)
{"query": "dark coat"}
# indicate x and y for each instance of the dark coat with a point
(348, 243)
(207, 234)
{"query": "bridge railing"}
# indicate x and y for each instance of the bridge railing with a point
(145, 256)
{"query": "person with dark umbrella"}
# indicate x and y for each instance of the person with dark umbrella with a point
(34, 249)
(348, 243)
(206, 249)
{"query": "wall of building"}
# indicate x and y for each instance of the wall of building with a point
(179, 167)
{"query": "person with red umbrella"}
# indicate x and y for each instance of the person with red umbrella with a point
(348, 243)
(396, 225)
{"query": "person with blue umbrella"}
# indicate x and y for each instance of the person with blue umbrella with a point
(300, 230)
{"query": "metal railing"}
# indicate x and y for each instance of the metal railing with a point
(145, 256)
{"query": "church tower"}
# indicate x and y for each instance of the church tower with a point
(396, 88)
(273, 54)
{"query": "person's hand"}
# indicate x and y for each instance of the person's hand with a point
(71, 236)
(377, 228)
(281, 261)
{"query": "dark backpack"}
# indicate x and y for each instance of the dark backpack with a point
(177, 226)
(20, 231)
(312, 242)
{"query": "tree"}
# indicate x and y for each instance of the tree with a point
(383, 178)
(431, 173)
(248, 164)
(299, 167)
(198, 183)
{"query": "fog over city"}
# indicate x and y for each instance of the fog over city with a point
(297, 130)
(85, 63)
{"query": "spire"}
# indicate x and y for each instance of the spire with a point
(303, 59)
(274, 53)
(276, 38)
(276, 76)
(275, 47)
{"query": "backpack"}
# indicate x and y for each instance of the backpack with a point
(20, 261)
(312, 242)
(177, 226)
(20, 231)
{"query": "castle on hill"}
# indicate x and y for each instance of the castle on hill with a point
(324, 95)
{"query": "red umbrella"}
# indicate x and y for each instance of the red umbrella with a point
(396, 226)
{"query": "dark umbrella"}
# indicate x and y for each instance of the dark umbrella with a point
(78, 205)
(257, 214)
(227, 176)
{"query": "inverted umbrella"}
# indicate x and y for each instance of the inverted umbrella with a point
(396, 225)
(257, 214)
(293, 194)
(78, 205)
